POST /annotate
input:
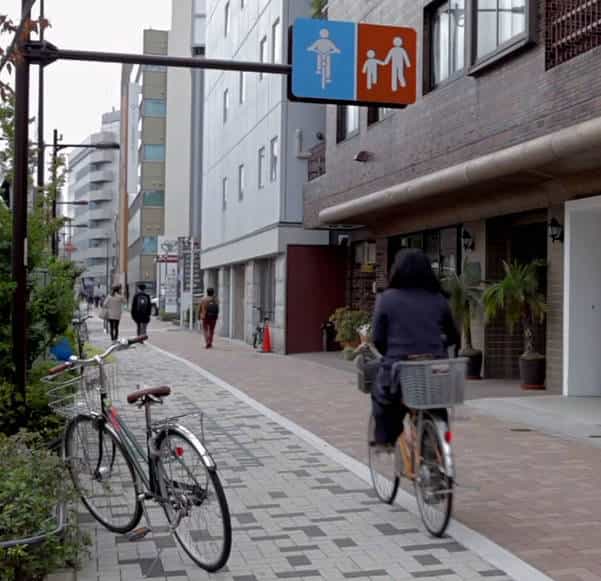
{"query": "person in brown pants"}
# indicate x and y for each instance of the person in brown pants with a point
(208, 314)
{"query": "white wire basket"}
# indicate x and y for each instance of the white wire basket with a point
(437, 383)
(73, 392)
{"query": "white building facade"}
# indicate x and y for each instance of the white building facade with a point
(254, 169)
(94, 182)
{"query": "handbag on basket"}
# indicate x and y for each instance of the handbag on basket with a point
(103, 313)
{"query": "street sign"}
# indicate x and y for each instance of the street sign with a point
(350, 63)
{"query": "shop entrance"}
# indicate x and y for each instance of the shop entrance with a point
(582, 299)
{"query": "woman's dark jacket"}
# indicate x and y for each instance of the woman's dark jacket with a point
(409, 322)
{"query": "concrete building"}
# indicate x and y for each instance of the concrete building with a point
(504, 140)
(147, 210)
(254, 169)
(94, 178)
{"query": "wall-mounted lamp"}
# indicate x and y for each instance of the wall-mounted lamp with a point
(555, 231)
(468, 241)
(362, 156)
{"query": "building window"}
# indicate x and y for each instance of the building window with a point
(150, 245)
(498, 23)
(241, 181)
(447, 41)
(226, 23)
(242, 4)
(226, 105)
(274, 154)
(261, 168)
(154, 199)
(242, 88)
(375, 114)
(154, 108)
(154, 153)
(262, 53)
(276, 42)
(224, 194)
(347, 122)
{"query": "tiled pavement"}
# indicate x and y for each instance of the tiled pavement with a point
(295, 512)
(534, 494)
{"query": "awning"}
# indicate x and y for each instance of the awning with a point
(565, 152)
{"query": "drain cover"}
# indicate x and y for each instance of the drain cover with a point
(521, 430)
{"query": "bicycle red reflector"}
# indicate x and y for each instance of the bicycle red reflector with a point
(448, 437)
(179, 451)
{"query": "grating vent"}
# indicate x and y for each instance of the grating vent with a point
(573, 28)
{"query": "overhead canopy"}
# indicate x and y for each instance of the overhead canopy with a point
(559, 154)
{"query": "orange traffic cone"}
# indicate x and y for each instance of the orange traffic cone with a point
(267, 339)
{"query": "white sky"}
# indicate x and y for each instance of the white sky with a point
(78, 93)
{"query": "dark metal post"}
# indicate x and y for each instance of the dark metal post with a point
(41, 149)
(107, 266)
(19, 248)
(54, 188)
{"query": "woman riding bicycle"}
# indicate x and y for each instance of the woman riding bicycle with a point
(412, 317)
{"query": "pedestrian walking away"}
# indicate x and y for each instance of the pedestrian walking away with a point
(209, 313)
(114, 309)
(141, 308)
(98, 294)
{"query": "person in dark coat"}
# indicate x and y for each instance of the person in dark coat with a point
(141, 307)
(412, 317)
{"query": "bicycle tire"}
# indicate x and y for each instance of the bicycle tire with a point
(176, 447)
(385, 480)
(433, 487)
(108, 512)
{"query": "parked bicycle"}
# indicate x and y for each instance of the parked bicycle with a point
(80, 327)
(115, 475)
(423, 453)
(264, 318)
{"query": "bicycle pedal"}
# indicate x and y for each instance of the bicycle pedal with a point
(138, 534)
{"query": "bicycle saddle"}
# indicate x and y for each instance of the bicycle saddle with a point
(161, 391)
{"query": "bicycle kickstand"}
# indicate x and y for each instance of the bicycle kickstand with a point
(141, 533)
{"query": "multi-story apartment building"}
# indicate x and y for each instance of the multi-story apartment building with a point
(94, 179)
(147, 209)
(253, 243)
(501, 151)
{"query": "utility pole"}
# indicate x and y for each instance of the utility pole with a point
(19, 247)
(55, 189)
(41, 149)
(192, 283)
(107, 267)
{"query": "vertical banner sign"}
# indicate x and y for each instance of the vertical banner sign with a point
(349, 63)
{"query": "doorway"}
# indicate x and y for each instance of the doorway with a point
(582, 298)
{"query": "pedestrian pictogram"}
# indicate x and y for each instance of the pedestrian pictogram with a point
(336, 61)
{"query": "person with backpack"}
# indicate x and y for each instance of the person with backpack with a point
(141, 307)
(208, 314)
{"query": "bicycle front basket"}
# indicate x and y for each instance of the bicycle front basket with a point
(367, 371)
(438, 383)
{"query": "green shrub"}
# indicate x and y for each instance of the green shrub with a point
(347, 323)
(34, 483)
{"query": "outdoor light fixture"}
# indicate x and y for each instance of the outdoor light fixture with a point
(468, 241)
(555, 231)
(362, 156)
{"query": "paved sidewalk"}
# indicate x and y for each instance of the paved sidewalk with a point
(295, 512)
(534, 494)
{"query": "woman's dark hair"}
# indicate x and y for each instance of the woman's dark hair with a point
(412, 269)
(116, 289)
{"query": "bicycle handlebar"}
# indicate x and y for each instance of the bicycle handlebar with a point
(75, 363)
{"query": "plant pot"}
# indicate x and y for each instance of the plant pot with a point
(532, 372)
(474, 363)
(348, 353)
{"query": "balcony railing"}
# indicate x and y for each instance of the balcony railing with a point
(316, 165)
(573, 28)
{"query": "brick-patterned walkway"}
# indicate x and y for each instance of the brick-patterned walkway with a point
(536, 495)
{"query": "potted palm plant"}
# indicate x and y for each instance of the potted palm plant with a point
(465, 292)
(518, 296)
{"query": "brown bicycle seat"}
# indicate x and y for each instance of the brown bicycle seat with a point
(161, 391)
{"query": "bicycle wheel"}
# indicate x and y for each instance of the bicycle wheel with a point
(383, 466)
(103, 474)
(433, 486)
(194, 500)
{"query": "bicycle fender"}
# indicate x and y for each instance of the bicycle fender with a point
(447, 450)
(204, 453)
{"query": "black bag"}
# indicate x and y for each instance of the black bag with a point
(212, 310)
(142, 305)
(368, 363)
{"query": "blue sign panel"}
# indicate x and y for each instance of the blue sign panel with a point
(324, 60)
